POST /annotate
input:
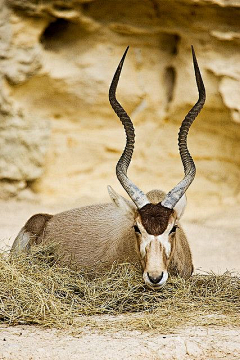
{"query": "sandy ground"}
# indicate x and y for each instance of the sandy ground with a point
(214, 242)
(23, 342)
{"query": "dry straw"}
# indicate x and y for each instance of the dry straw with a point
(35, 289)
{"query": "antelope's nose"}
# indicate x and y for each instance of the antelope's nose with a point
(155, 279)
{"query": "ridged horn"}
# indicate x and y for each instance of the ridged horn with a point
(137, 196)
(179, 190)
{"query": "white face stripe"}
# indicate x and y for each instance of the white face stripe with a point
(163, 239)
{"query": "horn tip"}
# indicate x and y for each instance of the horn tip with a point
(123, 58)
(193, 54)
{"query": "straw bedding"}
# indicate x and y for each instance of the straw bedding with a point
(35, 289)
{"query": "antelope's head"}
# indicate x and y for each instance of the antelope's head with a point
(155, 223)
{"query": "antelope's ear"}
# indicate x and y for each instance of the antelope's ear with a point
(180, 206)
(119, 201)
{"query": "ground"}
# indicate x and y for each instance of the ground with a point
(23, 342)
(214, 241)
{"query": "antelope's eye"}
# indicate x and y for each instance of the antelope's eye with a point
(136, 228)
(173, 229)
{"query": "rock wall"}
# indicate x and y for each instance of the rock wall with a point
(58, 133)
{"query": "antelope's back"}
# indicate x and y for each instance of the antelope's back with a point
(92, 237)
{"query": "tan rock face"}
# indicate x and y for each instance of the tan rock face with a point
(57, 61)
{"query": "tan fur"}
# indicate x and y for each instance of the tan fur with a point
(94, 237)
(181, 262)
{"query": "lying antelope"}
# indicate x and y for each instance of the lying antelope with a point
(145, 229)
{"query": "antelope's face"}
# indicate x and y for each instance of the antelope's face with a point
(155, 230)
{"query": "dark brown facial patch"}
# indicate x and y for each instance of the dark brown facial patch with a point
(155, 218)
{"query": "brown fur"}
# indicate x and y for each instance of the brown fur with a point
(155, 218)
(31, 232)
(36, 224)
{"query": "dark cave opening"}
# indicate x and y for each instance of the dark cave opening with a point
(54, 30)
(169, 81)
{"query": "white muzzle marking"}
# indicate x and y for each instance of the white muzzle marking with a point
(158, 285)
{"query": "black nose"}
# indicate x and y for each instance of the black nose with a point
(155, 280)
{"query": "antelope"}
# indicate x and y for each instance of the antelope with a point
(144, 230)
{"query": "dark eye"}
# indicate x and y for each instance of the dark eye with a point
(173, 229)
(136, 228)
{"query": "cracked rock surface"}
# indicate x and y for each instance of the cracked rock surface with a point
(58, 133)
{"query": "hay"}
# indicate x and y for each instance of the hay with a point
(34, 289)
